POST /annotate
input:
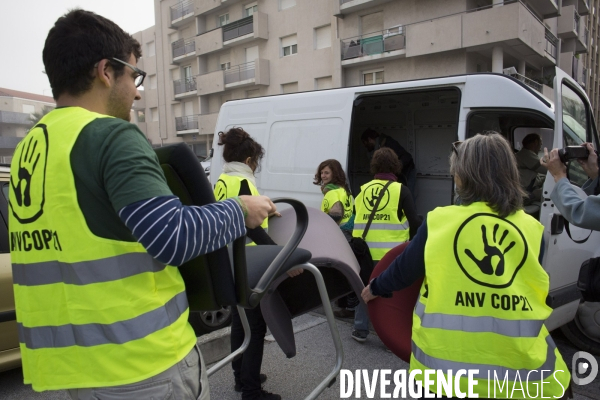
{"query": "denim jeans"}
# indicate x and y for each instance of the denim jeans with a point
(185, 380)
(361, 318)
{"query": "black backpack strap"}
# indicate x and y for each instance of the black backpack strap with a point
(569, 233)
(364, 235)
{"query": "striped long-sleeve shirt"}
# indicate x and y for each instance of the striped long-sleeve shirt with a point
(173, 233)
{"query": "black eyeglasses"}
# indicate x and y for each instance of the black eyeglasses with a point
(139, 79)
(455, 146)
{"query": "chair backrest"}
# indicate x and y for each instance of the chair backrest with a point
(208, 278)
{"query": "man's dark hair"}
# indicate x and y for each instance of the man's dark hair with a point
(76, 42)
(369, 133)
(386, 161)
(531, 138)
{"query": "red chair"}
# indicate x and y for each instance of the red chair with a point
(392, 318)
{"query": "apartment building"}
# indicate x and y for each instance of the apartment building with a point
(202, 53)
(592, 67)
(18, 110)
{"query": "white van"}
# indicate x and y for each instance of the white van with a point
(300, 130)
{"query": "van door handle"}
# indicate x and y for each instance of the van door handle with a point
(557, 224)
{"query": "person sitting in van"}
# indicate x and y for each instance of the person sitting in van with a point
(488, 246)
(373, 140)
(242, 156)
(395, 220)
(338, 203)
(530, 168)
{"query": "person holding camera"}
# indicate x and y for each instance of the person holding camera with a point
(584, 213)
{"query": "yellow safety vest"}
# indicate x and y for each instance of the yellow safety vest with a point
(228, 186)
(91, 312)
(332, 197)
(482, 305)
(386, 231)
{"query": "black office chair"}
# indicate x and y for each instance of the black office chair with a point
(211, 282)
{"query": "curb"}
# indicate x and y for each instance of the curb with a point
(215, 345)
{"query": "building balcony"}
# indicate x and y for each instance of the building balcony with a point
(249, 74)
(233, 34)
(568, 23)
(209, 6)
(387, 44)
(15, 118)
(529, 82)
(186, 125)
(583, 7)
(182, 14)
(582, 40)
(207, 123)
(344, 7)
(183, 49)
(185, 87)
(551, 46)
(547, 8)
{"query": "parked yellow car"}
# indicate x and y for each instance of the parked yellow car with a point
(10, 356)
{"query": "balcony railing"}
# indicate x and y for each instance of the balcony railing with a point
(584, 77)
(586, 33)
(577, 21)
(529, 82)
(551, 43)
(184, 85)
(374, 43)
(186, 123)
(181, 9)
(240, 73)
(182, 47)
(238, 28)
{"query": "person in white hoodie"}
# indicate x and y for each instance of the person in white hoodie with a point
(242, 156)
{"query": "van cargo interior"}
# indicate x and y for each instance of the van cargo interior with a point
(425, 123)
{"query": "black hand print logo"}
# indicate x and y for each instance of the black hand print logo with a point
(27, 164)
(28, 174)
(375, 193)
(491, 251)
(221, 190)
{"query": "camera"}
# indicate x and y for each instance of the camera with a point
(573, 152)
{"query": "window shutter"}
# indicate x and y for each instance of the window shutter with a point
(323, 37)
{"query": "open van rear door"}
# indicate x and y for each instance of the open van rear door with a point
(568, 246)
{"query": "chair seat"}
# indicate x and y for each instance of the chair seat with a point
(259, 258)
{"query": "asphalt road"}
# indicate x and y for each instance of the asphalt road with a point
(296, 377)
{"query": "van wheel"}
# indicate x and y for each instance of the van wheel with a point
(208, 321)
(584, 330)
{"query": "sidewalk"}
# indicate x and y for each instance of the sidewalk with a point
(295, 378)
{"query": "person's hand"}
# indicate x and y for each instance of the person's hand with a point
(552, 162)
(275, 214)
(295, 272)
(367, 295)
(258, 208)
(590, 166)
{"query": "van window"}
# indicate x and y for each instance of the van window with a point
(574, 130)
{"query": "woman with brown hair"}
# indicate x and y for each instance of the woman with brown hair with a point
(338, 202)
(394, 222)
(486, 246)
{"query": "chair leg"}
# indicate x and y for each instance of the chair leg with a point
(330, 379)
(241, 349)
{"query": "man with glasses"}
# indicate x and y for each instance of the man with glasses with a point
(101, 305)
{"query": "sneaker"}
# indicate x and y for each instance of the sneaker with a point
(344, 313)
(264, 395)
(238, 386)
(359, 336)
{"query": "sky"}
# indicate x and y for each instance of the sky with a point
(24, 25)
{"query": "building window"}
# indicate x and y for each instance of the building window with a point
(325, 82)
(250, 9)
(289, 87)
(289, 45)
(323, 37)
(372, 77)
(152, 82)
(225, 66)
(187, 72)
(223, 20)
(154, 114)
(151, 49)
(141, 116)
(283, 4)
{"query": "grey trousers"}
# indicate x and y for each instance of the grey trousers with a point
(185, 380)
